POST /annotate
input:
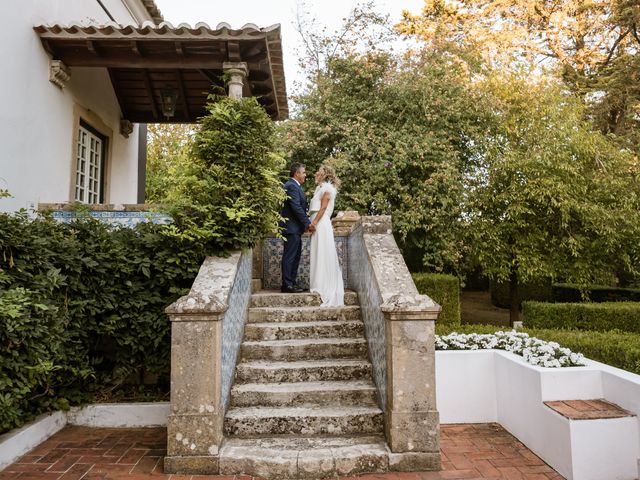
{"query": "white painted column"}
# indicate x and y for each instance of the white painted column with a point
(237, 72)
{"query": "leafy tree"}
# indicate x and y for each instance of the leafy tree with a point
(398, 133)
(167, 154)
(593, 44)
(549, 197)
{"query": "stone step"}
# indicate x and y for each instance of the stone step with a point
(261, 371)
(277, 299)
(358, 392)
(268, 421)
(305, 349)
(303, 314)
(293, 330)
(304, 457)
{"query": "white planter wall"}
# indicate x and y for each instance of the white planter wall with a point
(496, 386)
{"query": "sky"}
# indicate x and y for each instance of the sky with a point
(264, 13)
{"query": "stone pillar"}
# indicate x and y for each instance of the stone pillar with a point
(411, 418)
(237, 72)
(344, 222)
(196, 418)
(194, 426)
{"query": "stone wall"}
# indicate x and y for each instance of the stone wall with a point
(233, 323)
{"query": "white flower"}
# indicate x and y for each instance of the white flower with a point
(533, 350)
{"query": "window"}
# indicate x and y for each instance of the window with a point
(90, 154)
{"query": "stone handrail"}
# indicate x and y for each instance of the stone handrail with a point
(206, 333)
(400, 330)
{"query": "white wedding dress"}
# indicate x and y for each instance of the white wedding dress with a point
(325, 274)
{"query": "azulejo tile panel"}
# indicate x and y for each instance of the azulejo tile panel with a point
(363, 279)
(272, 261)
(233, 323)
(126, 219)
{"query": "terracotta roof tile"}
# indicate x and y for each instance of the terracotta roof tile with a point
(153, 10)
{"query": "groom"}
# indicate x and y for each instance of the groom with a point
(295, 223)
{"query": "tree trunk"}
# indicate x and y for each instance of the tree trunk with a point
(514, 309)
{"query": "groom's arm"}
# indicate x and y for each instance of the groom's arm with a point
(294, 201)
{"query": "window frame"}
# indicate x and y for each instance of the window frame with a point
(83, 124)
(89, 120)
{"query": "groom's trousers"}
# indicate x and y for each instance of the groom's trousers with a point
(291, 259)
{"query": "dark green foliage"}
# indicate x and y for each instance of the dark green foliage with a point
(533, 290)
(602, 317)
(618, 349)
(444, 290)
(228, 193)
(82, 309)
(398, 134)
(567, 292)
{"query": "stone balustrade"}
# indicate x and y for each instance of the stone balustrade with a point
(400, 331)
(206, 332)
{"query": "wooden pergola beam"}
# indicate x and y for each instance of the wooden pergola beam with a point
(183, 95)
(149, 88)
(146, 62)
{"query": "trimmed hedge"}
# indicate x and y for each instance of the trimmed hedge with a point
(540, 291)
(618, 349)
(567, 292)
(601, 317)
(444, 290)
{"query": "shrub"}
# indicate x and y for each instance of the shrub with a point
(540, 290)
(229, 194)
(618, 349)
(567, 292)
(444, 290)
(82, 308)
(602, 317)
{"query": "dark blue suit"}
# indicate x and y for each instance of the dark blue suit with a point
(296, 222)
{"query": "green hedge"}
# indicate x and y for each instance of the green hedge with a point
(444, 290)
(82, 309)
(602, 317)
(540, 291)
(618, 349)
(567, 292)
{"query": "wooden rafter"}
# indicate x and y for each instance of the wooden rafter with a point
(149, 88)
(121, 102)
(183, 95)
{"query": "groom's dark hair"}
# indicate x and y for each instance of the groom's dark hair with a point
(295, 166)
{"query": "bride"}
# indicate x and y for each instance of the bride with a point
(325, 274)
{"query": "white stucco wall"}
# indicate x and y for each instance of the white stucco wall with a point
(37, 124)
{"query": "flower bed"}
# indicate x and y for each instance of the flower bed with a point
(533, 350)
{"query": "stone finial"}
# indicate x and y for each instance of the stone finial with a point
(237, 72)
(126, 128)
(59, 73)
(344, 222)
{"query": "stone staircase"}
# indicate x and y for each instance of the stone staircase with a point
(303, 404)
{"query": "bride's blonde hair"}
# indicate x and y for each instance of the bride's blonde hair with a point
(328, 174)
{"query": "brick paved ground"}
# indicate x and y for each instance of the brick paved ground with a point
(477, 451)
